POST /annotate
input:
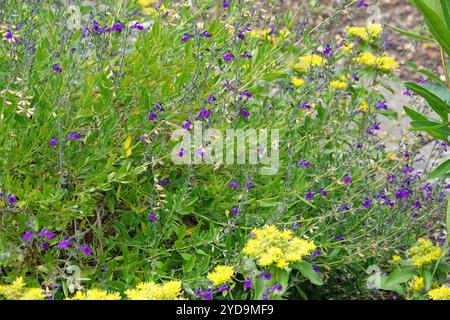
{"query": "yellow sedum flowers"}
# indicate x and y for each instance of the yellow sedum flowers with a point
(441, 293)
(152, 291)
(418, 283)
(384, 62)
(305, 63)
(220, 275)
(369, 33)
(95, 294)
(18, 291)
(271, 246)
(297, 82)
(424, 253)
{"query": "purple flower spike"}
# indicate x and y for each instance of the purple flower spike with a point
(205, 34)
(186, 37)
(246, 56)
(247, 94)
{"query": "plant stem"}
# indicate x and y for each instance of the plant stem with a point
(444, 67)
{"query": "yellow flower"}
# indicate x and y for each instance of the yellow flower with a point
(95, 294)
(307, 62)
(395, 259)
(33, 294)
(220, 275)
(418, 283)
(338, 84)
(384, 63)
(369, 33)
(271, 246)
(171, 290)
(263, 34)
(147, 3)
(442, 293)
(424, 253)
(13, 291)
(297, 82)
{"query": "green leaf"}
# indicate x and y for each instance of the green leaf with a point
(425, 72)
(414, 115)
(399, 276)
(432, 94)
(307, 271)
(411, 34)
(442, 170)
(435, 21)
(446, 11)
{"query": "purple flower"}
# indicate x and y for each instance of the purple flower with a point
(187, 125)
(408, 93)
(152, 217)
(248, 283)
(381, 104)
(97, 29)
(204, 114)
(56, 68)
(207, 295)
(315, 269)
(327, 50)
(247, 94)
(235, 185)
(362, 4)
(264, 275)
(64, 244)
(182, 153)
(265, 296)
(164, 182)
(367, 203)
(86, 250)
(347, 179)
(226, 4)
(391, 178)
(355, 76)
(73, 136)
(137, 26)
(27, 236)
(223, 287)
(211, 98)
(304, 163)
(205, 34)
(234, 211)
(46, 234)
(228, 85)
(116, 27)
(53, 141)
(245, 113)
(403, 193)
(228, 56)
(246, 56)
(45, 245)
(186, 37)
(152, 116)
(309, 195)
(12, 199)
(305, 105)
(276, 286)
(339, 237)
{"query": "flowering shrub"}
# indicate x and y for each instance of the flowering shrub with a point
(94, 206)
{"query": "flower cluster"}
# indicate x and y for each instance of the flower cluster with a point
(368, 33)
(152, 291)
(424, 253)
(95, 294)
(305, 63)
(383, 62)
(220, 275)
(270, 245)
(18, 290)
(441, 293)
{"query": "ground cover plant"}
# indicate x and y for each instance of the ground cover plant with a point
(103, 195)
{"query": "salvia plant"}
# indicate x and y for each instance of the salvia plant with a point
(113, 183)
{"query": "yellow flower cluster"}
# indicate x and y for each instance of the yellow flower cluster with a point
(152, 291)
(220, 275)
(341, 83)
(297, 82)
(441, 293)
(18, 291)
(384, 62)
(272, 246)
(418, 283)
(396, 258)
(95, 294)
(305, 63)
(267, 35)
(424, 253)
(369, 33)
